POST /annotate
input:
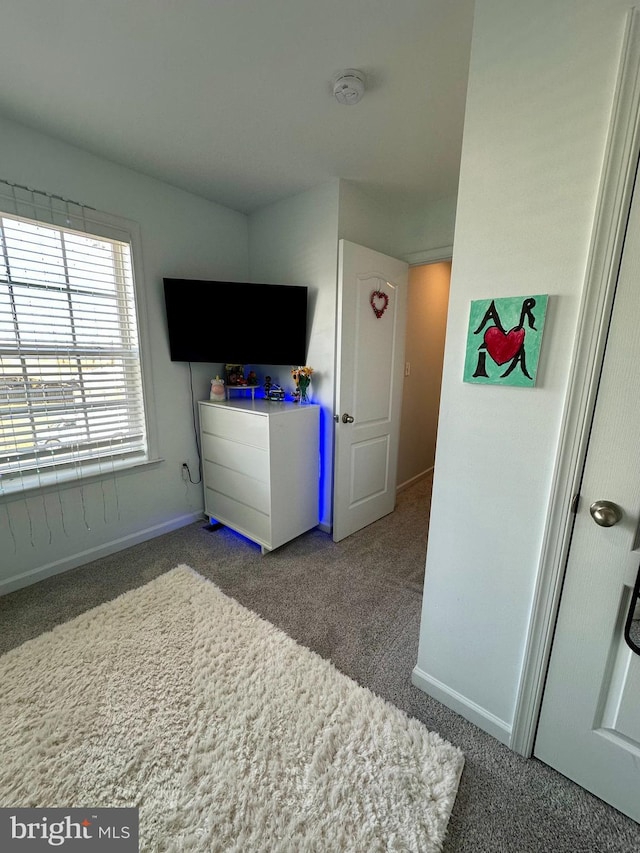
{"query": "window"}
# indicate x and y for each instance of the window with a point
(71, 401)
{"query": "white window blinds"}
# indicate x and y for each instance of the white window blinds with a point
(70, 373)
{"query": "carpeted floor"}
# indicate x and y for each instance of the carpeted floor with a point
(232, 737)
(357, 603)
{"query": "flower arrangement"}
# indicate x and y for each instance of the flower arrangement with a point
(302, 377)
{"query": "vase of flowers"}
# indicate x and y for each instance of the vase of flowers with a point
(302, 377)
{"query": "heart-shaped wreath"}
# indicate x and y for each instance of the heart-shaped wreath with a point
(379, 302)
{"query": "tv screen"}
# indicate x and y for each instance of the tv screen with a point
(238, 323)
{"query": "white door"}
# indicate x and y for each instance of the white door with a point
(590, 723)
(372, 308)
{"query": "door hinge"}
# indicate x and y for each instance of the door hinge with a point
(575, 503)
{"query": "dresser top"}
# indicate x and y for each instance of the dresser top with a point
(260, 407)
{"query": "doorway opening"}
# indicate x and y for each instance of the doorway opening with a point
(427, 306)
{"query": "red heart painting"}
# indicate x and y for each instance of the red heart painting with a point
(503, 347)
(379, 302)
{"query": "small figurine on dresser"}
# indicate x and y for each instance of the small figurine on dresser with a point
(276, 393)
(217, 391)
(234, 374)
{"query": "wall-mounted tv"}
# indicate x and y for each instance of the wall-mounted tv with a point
(236, 322)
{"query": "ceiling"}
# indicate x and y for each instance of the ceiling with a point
(232, 99)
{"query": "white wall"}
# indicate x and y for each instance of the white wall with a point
(540, 93)
(425, 226)
(366, 220)
(295, 241)
(396, 227)
(182, 235)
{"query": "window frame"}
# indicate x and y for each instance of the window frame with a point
(92, 223)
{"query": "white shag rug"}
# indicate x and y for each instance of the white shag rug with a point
(226, 733)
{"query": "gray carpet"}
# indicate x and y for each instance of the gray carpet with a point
(358, 603)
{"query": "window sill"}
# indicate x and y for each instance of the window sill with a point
(52, 481)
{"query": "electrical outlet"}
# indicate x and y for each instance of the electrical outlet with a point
(185, 471)
(407, 368)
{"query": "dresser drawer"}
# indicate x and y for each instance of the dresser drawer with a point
(242, 488)
(245, 519)
(243, 427)
(242, 458)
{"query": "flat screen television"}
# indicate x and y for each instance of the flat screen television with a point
(236, 322)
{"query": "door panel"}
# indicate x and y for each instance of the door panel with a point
(369, 385)
(374, 340)
(370, 468)
(590, 722)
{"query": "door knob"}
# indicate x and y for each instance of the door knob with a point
(605, 513)
(347, 419)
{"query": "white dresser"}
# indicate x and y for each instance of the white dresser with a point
(260, 462)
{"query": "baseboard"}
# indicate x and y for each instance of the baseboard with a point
(326, 528)
(413, 480)
(72, 562)
(477, 715)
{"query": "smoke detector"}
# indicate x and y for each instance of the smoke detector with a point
(348, 86)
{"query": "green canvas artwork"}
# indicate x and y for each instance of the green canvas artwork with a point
(503, 340)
